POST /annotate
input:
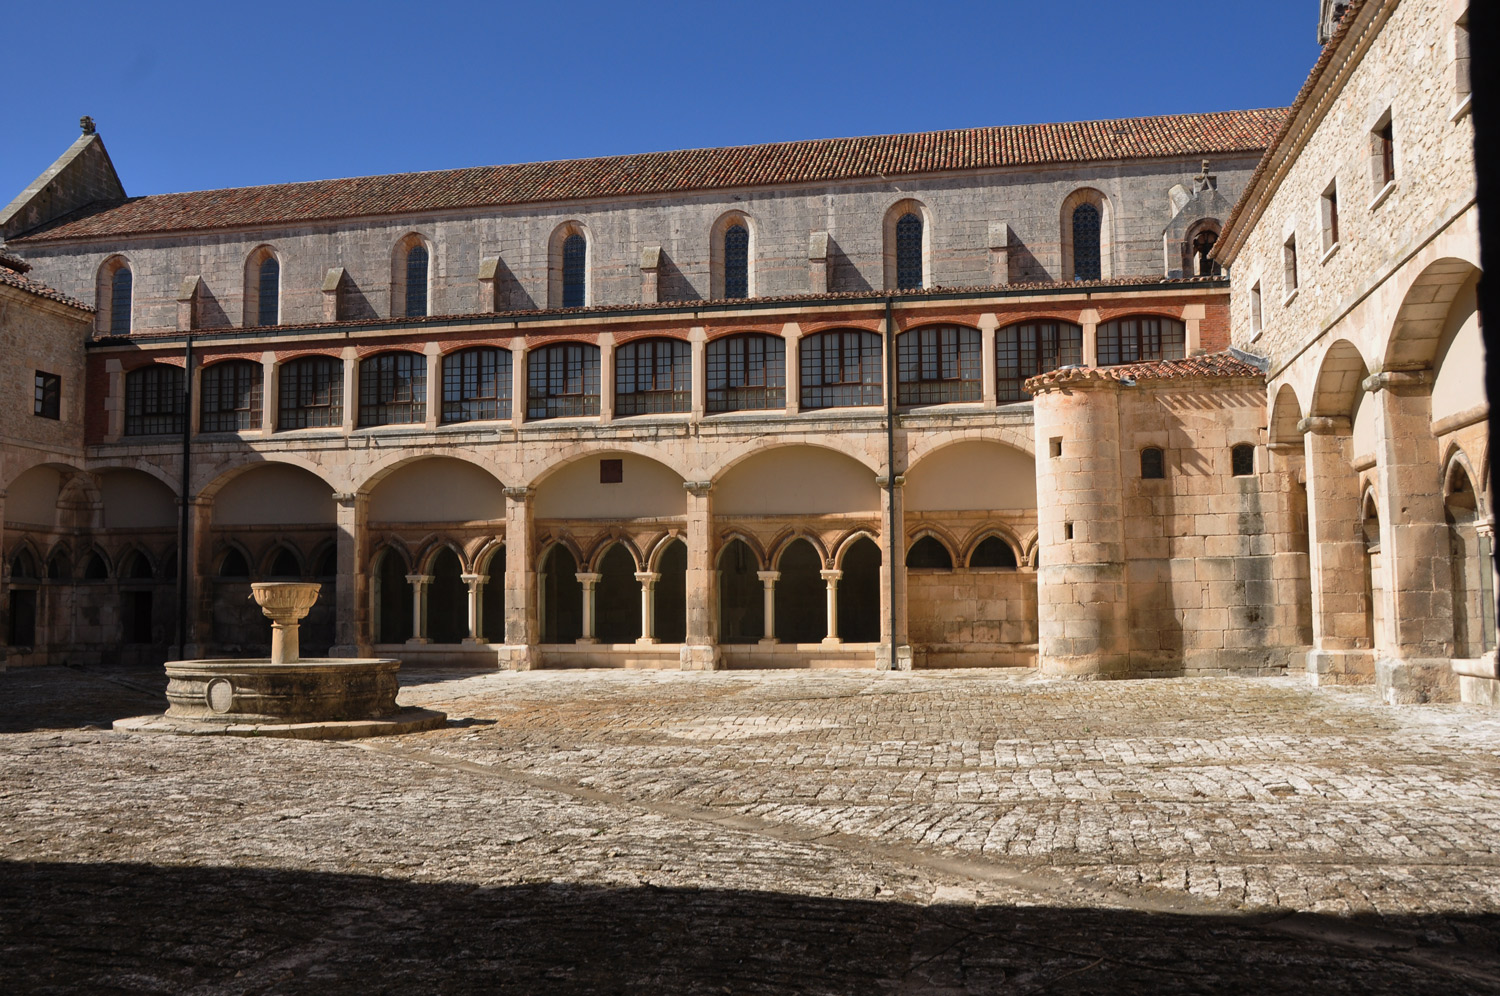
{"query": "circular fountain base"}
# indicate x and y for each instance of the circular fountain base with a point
(310, 699)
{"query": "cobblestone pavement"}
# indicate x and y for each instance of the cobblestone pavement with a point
(601, 832)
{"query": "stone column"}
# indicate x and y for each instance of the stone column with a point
(1336, 555)
(270, 392)
(476, 603)
(648, 581)
(606, 377)
(791, 335)
(987, 325)
(517, 382)
(352, 605)
(590, 583)
(434, 407)
(419, 583)
(519, 652)
(1089, 319)
(769, 579)
(831, 586)
(199, 564)
(893, 562)
(700, 652)
(351, 388)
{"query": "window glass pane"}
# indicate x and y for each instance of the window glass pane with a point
(562, 380)
(909, 252)
(746, 372)
(231, 397)
(119, 301)
(841, 369)
(938, 365)
(575, 254)
(476, 385)
(153, 401)
(393, 389)
(737, 261)
(416, 281)
(1086, 242)
(312, 393)
(270, 291)
(1032, 348)
(653, 376)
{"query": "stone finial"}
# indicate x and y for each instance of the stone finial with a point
(86, 123)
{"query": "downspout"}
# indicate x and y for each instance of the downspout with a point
(890, 469)
(186, 505)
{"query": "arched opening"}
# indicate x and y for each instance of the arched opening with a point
(731, 270)
(741, 595)
(114, 289)
(929, 554)
(21, 629)
(234, 565)
(284, 565)
(137, 567)
(801, 595)
(95, 568)
(859, 592)
(568, 266)
(1086, 221)
(1085, 224)
(993, 552)
(561, 598)
(492, 598)
(746, 372)
(447, 599)
(1471, 567)
(1373, 572)
(908, 256)
(58, 568)
(262, 288)
(669, 619)
(392, 598)
(410, 277)
(617, 602)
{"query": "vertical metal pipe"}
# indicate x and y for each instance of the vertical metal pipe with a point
(184, 526)
(890, 468)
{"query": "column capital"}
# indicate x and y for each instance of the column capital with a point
(519, 493)
(1324, 425)
(884, 481)
(1397, 380)
(419, 579)
(768, 577)
(587, 580)
(647, 578)
(346, 498)
(832, 576)
(698, 489)
(473, 580)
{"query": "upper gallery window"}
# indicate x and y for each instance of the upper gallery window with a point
(841, 368)
(746, 372)
(312, 393)
(938, 364)
(1145, 337)
(231, 399)
(393, 389)
(561, 380)
(653, 376)
(1032, 348)
(476, 384)
(153, 400)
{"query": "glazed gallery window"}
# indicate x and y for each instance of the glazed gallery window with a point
(393, 389)
(562, 380)
(1133, 340)
(746, 372)
(937, 365)
(312, 393)
(841, 369)
(1032, 348)
(653, 376)
(476, 385)
(153, 401)
(231, 397)
(47, 396)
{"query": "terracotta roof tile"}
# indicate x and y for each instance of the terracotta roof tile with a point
(1216, 366)
(667, 172)
(11, 278)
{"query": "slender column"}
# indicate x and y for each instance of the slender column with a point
(519, 652)
(769, 579)
(352, 605)
(476, 602)
(893, 632)
(648, 581)
(518, 382)
(1336, 553)
(1413, 525)
(791, 335)
(434, 385)
(590, 584)
(200, 623)
(270, 392)
(700, 651)
(351, 388)
(987, 325)
(419, 583)
(831, 582)
(606, 377)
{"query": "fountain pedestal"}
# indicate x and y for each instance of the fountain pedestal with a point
(284, 696)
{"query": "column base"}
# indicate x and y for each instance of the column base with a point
(517, 656)
(418, 641)
(769, 641)
(475, 641)
(699, 657)
(1415, 681)
(1340, 667)
(586, 641)
(832, 641)
(646, 641)
(903, 660)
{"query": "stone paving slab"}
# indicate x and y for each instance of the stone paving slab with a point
(739, 832)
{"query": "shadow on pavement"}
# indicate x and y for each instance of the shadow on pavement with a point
(114, 928)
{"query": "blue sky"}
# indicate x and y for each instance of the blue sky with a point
(193, 96)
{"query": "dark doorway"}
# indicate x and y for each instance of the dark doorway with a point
(670, 623)
(447, 600)
(392, 600)
(22, 629)
(742, 606)
(562, 597)
(617, 603)
(801, 595)
(859, 593)
(135, 611)
(492, 609)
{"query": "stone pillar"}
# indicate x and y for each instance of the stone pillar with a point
(351, 389)
(434, 409)
(476, 609)
(519, 652)
(199, 564)
(590, 583)
(648, 581)
(1192, 318)
(606, 377)
(700, 651)
(489, 269)
(987, 325)
(1089, 319)
(698, 343)
(517, 382)
(114, 401)
(831, 585)
(1082, 596)
(791, 335)
(894, 652)
(270, 392)
(1336, 555)
(352, 606)
(419, 583)
(769, 579)
(333, 288)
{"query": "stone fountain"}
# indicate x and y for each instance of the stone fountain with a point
(284, 696)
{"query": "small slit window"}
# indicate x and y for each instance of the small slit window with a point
(1289, 264)
(1153, 464)
(737, 261)
(909, 251)
(1328, 209)
(1242, 460)
(416, 281)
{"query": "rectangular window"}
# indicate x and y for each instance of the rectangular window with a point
(746, 373)
(1461, 57)
(1383, 154)
(393, 389)
(653, 377)
(1255, 313)
(48, 402)
(476, 385)
(1023, 351)
(938, 364)
(312, 393)
(562, 380)
(841, 369)
(1289, 264)
(1328, 209)
(231, 397)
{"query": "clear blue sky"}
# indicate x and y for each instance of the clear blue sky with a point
(191, 96)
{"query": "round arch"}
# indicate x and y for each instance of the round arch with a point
(592, 485)
(555, 242)
(716, 252)
(893, 216)
(811, 479)
(403, 303)
(969, 475)
(1286, 414)
(1418, 327)
(435, 487)
(1338, 384)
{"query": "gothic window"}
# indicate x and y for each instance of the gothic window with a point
(574, 260)
(120, 285)
(416, 281)
(653, 376)
(153, 401)
(1086, 231)
(841, 368)
(231, 399)
(234, 565)
(95, 568)
(1032, 348)
(393, 389)
(1153, 464)
(737, 261)
(993, 551)
(1134, 340)
(562, 380)
(284, 564)
(312, 393)
(938, 364)
(268, 292)
(909, 251)
(746, 372)
(476, 384)
(929, 554)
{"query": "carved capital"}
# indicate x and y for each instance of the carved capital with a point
(647, 578)
(698, 489)
(588, 580)
(519, 494)
(884, 481)
(347, 499)
(419, 579)
(768, 578)
(833, 577)
(1397, 380)
(1324, 425)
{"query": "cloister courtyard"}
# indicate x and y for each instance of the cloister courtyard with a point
(586, 831)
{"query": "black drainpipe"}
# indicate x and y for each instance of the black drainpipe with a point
(186, 508)
(890, 465)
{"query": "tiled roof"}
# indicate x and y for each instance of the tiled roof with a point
(11, 278)
(1223, 132)
(1217, 366)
